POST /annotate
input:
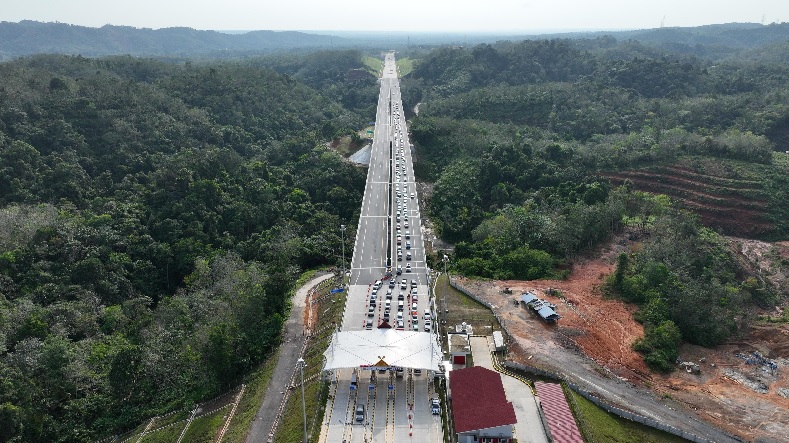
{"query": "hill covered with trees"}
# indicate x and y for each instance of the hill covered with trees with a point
(541, 150)
(30, 37)
(154, 217)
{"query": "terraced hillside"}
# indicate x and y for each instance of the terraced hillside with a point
(728, 199)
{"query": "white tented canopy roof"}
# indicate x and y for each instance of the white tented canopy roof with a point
(383, 348)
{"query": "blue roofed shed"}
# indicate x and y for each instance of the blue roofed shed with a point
(528, 298)
(548, 314)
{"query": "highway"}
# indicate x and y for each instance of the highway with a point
(397, 409)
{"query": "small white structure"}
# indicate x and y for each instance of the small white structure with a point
(459, 348)
(464, 328)
(498, 341)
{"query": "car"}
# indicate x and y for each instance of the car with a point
(413, 283)
(360, 413)
(414, 308)
(372, 302)
(399, 257)
(403, 284)
(435, 406)
(427, 314)
(415, 327)
(404, 224)
(407, 235)
(371, 311)
(401, 297)
(400, 308)
(408, 245)
(408, 256)
(408, 266)
(377, 284)
(392, 282)
(398, 226)
(369, 324)
(400, 325)
(386, 315)
(399, 271)
(427, 325)
(412, 195)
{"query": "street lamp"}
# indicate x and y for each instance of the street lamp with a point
(446, 260)
(302, 364)
(342, 229)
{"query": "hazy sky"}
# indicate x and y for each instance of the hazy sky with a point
(400, 15)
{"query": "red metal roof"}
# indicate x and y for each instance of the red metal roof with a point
(557, 412)
(478, 400)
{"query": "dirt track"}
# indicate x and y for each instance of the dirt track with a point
(591, 347)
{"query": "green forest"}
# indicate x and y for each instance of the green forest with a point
(541, 150)
(155, 217)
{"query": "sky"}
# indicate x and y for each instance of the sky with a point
(464, 16)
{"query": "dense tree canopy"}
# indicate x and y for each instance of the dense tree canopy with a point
(520, 138)
(155, 216)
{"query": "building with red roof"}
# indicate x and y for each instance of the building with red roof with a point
(480, 410)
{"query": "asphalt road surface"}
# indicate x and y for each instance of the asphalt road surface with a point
(397, 409)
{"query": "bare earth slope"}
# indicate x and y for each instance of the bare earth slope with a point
(591, 347)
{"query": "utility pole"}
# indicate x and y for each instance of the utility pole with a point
(302, 364)
(342, 229)
(446, 259)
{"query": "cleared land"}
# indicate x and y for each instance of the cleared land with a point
(591, 344)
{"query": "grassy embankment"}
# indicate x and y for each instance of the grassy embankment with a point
(374, 64)
(600, 426)
(404, 66)
(329, 311)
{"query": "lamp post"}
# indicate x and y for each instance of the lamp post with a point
(302, 364)
(446, 260)
(342, 229)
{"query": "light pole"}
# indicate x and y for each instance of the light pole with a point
(342, 229)
(446, 260)
(302, 364)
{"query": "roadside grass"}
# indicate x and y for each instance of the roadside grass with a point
(256, 385)
(609, 428)
(168, 435)
(374, 64)
(206, 428)
(329, 313)
(404, 66)
(172, 418)
(463, 308)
